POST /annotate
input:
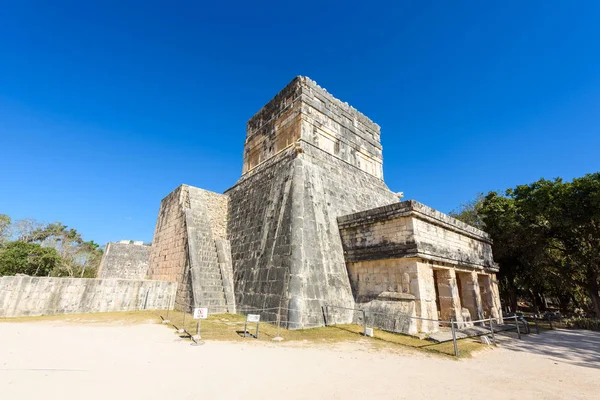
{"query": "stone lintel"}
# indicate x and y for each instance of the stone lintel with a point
(415, 209)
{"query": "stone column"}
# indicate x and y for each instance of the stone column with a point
(490, 296)
(497, 306)
(449, 299)
(471, 298)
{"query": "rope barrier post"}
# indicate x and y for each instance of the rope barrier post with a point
(146, 298)
(550, 319)
(166, 320)
(364, 322)
(454, 337)
(537, 328)
(182, 329)
(517, 324)
(492, 330)
(197, 336)
(326, 315)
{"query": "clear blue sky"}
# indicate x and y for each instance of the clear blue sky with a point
(106, 108)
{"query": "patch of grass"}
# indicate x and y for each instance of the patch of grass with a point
(230, 327)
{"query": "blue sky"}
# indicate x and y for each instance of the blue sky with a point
(106, 107)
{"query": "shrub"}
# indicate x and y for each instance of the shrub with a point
(591, 324)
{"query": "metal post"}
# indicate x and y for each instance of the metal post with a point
(550, 319)
(278, 338)
(182, 330)
(166, 320)
(454, 337)
(146, 299)
(257, 324)
(365, 322)
(517, 324)
(492, 330)
(326, 315)
(246, 327)
(537, 328)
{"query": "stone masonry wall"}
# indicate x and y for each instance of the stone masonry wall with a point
(308, 159)
(168, 256)
(304, 110)
(33, 296)
(260, 233)
(124, 261)
(340, 130)
(286, 247)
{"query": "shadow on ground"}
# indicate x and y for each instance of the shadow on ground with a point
(577, 347)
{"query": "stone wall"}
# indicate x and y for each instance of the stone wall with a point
(33, 296)
(168, 256)
(124, 261)
(285, 242)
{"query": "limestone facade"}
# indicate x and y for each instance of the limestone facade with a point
(441, 264)
(311, 223)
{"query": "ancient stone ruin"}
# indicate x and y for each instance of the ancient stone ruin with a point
(124, 260)
(311, 223)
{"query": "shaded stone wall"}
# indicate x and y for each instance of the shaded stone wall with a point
(285, 242)
(470, 293)
(260, 233)
(32, 296)
(168, 256)
(124, 261)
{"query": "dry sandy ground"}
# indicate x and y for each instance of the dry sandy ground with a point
(53, 360)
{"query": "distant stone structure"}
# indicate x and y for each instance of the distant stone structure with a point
(127, 259)
(311, 223)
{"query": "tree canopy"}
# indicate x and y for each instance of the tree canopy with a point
(53, 249)
(546, 238)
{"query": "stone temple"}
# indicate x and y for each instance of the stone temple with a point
(311, 223)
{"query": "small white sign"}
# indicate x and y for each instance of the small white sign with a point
(253, 318)
(200, 313)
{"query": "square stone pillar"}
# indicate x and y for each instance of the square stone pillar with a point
(497, 306)
(471, 298)
(423, 287)
(448, 297)
(490, 296)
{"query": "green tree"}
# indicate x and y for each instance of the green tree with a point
(470, 212)
(546, 238)
(76, 255)
(27, 258)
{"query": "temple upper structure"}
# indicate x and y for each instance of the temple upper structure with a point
(311, 226)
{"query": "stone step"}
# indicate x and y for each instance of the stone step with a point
(213, 295)
(209, 276)
(212, 285)
(213, 302)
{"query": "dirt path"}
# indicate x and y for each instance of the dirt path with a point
(68, 361)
